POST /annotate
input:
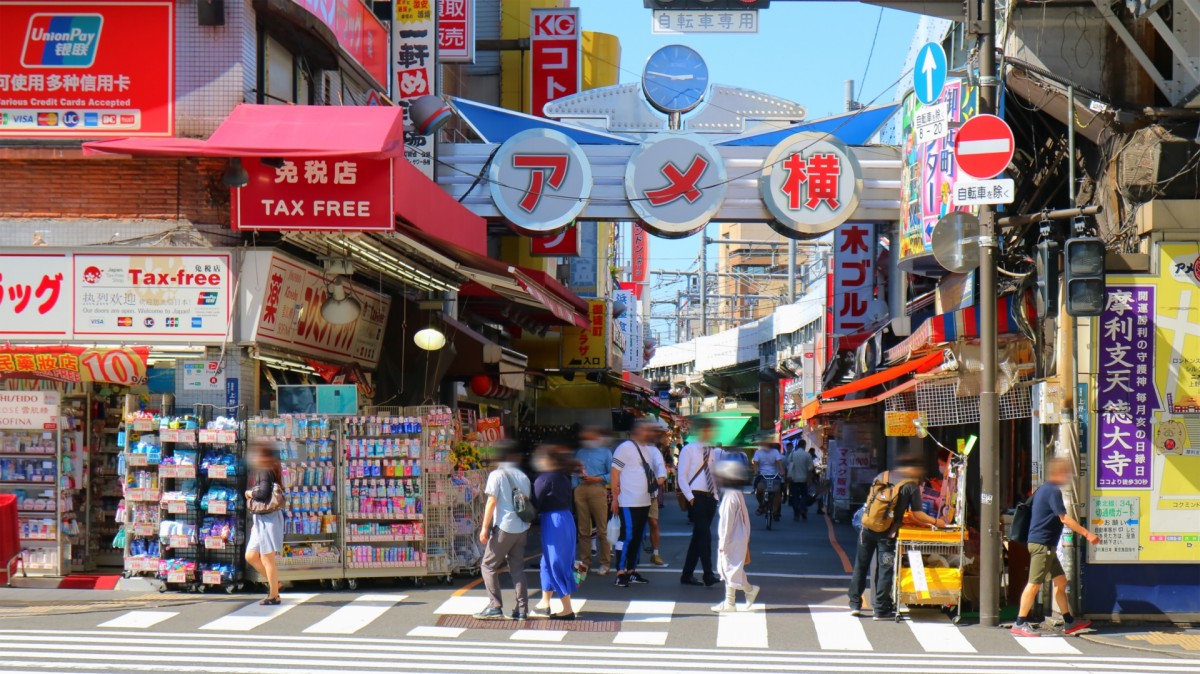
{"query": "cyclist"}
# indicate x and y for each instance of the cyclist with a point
(768, 465)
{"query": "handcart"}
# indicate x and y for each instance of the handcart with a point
(929, 568)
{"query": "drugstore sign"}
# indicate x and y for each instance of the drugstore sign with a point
(31, 410)
(66, 70)
(125, 365)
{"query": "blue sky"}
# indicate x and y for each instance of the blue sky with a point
(804, 51)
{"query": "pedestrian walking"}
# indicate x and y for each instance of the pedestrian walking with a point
(697, 481)
(893, 494)
(591, 497)
(552, 496)
(265, 500)
(1047, 517)
(503, 531)
(733, 536)
(799, 469)
(634, 483)
(658, 461)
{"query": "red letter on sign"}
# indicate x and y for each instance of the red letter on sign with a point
(545, 169)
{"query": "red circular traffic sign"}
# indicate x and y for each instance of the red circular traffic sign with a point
(983, 146)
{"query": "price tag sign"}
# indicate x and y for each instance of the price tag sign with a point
(168, 471)
(218, 507)
(139, 460)
(218, 472)
(144, 529)
(177, 507)
(214, 543)
(186, 435)
(227, 437)
(185, 472)
(169, 435)
(211, 578)
(178, 541)
(144, 425)
(208, 436)
(177, 577)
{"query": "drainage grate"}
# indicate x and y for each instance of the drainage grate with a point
(535, 624)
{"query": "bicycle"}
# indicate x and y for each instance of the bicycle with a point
(773, 490)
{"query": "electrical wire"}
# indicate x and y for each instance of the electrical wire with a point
(870, 54)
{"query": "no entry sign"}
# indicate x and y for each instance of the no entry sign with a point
(983, 146)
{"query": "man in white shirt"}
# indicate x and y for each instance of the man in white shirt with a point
(768, 465)
(799, 467)
(632, 479)
(697, 481)
(503, 535)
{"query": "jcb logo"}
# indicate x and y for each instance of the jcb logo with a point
(554, 25)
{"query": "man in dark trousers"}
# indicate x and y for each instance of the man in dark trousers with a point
(697, 482)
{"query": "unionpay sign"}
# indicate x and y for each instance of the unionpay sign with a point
(66, 71)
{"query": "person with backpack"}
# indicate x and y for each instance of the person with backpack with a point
(506, 518)
(893, 494)
(634, 482)
(1040, 530)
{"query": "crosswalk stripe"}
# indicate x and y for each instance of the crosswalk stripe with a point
(139, 619)
(556, 606)
(438, 632)
(1046, 645)
(634, 638)
(649, 611)
(743, 629)
(255, 615)
(464, 605)
(936, 636)
(356, 615)
(538, 635)
(837, 630)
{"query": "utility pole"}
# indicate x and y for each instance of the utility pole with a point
(704, 281)
(791, 295)
(989, 402)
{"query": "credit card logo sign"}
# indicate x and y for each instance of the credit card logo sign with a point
(91, 119)
(172, 321)
(61, 40)
(128, 120)
(108, 119)
(197, 322)
(47, 119)
(71, 119)
(207, 299)
(124, 321)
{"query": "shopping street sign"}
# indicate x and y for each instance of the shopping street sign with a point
(983, 146)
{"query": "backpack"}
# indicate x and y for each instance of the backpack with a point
(1019, 529)
(522, 503)
(879, 512)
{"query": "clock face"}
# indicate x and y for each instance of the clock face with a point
(675, 79)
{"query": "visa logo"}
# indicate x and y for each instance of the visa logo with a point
(97, 321)
(61, 40)
(18, 119)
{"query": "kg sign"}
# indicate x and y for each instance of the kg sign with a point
(316, 194)
(554, 56)
(811, 183)
(676, 184)
(540, 180)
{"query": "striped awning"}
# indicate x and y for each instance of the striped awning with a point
(955, 326)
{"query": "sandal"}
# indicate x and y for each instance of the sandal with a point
(270, 602)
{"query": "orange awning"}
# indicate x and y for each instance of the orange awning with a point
(818, 407)
(922, 364)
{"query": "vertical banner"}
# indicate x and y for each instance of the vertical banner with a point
(1125, 395)
(456, 31)
(554, 63)
(639, 256)
(584, 279)
(630, 323)
(414, 49)
(853, 278)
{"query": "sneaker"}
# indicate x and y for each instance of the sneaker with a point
(1024, 630)
(603, 571)
(519, 615)
(622, 580)
(884, 615)
(1077, 625)
(637, 579)
(856, 612)
(724, 607)
(657, 560)
(751, 596)
(489, 613)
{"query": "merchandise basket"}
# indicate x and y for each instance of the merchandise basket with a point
(929, 569)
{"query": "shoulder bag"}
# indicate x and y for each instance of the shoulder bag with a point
(276, 503)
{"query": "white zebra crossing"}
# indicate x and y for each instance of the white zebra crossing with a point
(837, 630)
(139, 619)
(937, 635)
(256, 615)
(640, 613)
(1047, 645)
(357, 614)
(743, 629)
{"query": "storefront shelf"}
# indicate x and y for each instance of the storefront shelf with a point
(27, 455)
(386, 539)
(384, 516)
(48, 483)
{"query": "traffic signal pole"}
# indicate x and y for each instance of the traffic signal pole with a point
(989, 402)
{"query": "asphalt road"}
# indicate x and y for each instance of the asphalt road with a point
(800, 624)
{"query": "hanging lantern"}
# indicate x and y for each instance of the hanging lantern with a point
(481, 385)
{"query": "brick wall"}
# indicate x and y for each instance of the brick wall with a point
(173, 189)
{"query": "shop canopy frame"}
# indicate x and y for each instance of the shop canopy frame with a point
(826, 403)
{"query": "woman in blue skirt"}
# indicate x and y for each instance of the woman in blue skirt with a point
(552, 496)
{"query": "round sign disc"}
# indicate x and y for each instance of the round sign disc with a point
(811, 183)
(955, 242)
(983, 146)
(540, 181)
(675, 183)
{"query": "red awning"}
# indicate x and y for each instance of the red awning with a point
(922, 364)
(818, 407)
(419, 202)
(561, 310)
(363, 132)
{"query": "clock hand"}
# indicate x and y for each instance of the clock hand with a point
(658, 74)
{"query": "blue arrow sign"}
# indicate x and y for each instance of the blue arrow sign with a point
(929, 73)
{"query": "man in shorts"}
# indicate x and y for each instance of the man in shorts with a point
(659, 463)
(1046, 520)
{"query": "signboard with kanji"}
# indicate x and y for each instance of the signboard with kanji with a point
(456, 31)
(852, 303)
(639, 259)
(414, 57)
(358, 32)
(555, 62)
(540, 180)
(125, 365)
(811, 183)
(316, 194)
(66, 70)
(587, 348)
(704, 22)
(675, 183)
(36, 296)
(1115, 521)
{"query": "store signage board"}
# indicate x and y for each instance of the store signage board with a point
(929, 73)
(984, 146)
(29, 410)
(1126, 401)
(316, 194)
(202, 375)
(358, 32)
(1116, 521)
(900, 424)
(811, 183)
(676, 183)
(566, 243)
(489, 429)
(36, 295)
(587, 348)
(703, 22)
(852, 302)
(931, 123)
(456, 31)
(583, 278)
(540, 180)
(631, 327)
(65, 71)
(281, 307)
(639, 259)
(980, 192)
(555, 62)
(414, 57)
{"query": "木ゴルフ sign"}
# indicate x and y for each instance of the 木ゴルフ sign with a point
(983, 146)
(555, 65)
(540, 180)
(317, 194)
(675, 183)
(811, 183)
(66, 69)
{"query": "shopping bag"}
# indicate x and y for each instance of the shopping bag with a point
(614, 529)
(581, 572)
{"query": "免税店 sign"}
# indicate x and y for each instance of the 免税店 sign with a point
(321, 194)
(66, 70)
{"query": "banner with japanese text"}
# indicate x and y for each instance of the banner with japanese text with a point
(852, 303)
(555, 61)
(587, 348)
(125, 365)
(456, 31)
(414, 61)
(317, 194)
(66, 69)
(1145, 453)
